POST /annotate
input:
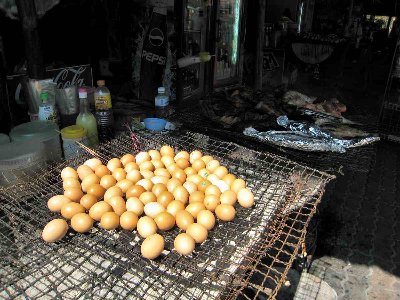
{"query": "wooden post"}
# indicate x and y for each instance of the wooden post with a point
(29, 21)
(260, 44)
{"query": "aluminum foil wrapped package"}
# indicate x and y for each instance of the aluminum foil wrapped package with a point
(307, 137)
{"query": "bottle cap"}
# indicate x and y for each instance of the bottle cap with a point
(161, 90)
(82, 93)
(44, 96)
(101, 83)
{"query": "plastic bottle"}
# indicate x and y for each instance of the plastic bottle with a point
(104, 113)
(86, 119)
(162, 103)
(47, 111)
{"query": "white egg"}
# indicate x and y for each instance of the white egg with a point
(221, 185)
(152, 209)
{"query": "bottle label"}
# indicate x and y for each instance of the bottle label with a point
(162, 101)
(102, 102)
(47, 113)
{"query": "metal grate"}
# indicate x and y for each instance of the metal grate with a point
(103, 264)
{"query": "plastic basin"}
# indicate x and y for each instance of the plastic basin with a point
(154, 124)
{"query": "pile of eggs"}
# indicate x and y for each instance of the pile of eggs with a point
(150, 192)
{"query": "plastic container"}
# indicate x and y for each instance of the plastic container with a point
(45, 132)
(154, 124)
(4, 139)
(47, 111)
(19, 159)
(72, 136)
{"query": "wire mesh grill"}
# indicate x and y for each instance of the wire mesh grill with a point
(102, 264)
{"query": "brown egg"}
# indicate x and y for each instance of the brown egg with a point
(154, 154)
(162, 172)
(73, 194)
(196, 196)
(184, 244)
(113, 191)
(212, 190)
(165, 221)
(206, 218)
(71, 183)
(221, 171)
(126, 159)
(81, 222)
(172, 167)
(172, 184)
(225, 212)
(167, 160)
(114, 164)
(147, 174)
(181, 194)
(87, 201)
(68, 210)
(195, 155)
(194, 208)
(212, 165)
(128, 220)
(228, 197)
(152, 209)
(190, 187)
(229, 179)
(198, 232)
(142, 157)
(146, 226)
(190, 171)
(131, 166)
(69, 172)
(195, 178)
(98, 209)
(207, 159)
(167, 150)
(152, 246)
(182, 163)
(124, 185)
(107, 181)
(175, 206)
(101, 171)
(135, 191)
(211, 202)
(96, 190)
(204, 173)
(147, 197)
(182, 155)
(133, 204)
(146, 165)
(180, 175)
(158, 188)
(198, 164)
(56, 202)
(245, 197)
(183, 219)
(134, 176)
(55, 230)
(146, 183)
(118, 204)
(159, 179)
(238, 184)
(165, 198)
(202, 186)
(157, 163)
(89, 180)
(110, 220)
(93, 163)
(84, 171)
(119, 174)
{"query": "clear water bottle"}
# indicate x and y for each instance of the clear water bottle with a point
(104, 113)
(162, 103)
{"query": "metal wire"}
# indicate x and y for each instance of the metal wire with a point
(261, 241)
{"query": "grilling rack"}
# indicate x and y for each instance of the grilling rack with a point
(246, 258)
